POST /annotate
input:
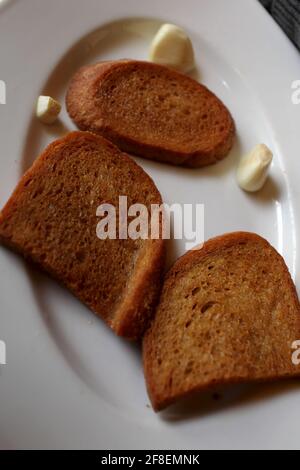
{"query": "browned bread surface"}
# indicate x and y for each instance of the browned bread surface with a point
(51, 219)
(152, 111)
(228, 313)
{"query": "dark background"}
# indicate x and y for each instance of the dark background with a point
(287, 14)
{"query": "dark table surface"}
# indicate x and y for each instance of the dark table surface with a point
(287, 15)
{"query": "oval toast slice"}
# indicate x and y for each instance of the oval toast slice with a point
(228, 313)
(152, 111)
(52, 220)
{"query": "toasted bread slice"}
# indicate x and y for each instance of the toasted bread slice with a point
(51, 220)
(152, 111)
(228, 313)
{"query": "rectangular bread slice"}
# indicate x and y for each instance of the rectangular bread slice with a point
(51, 220)
(228, 313)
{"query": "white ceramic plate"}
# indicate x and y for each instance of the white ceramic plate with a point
(69, 382)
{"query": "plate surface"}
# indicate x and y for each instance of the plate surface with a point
(68, 381)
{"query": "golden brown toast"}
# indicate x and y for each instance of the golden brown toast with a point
(51, 220)
(228, 313)
(152, 111)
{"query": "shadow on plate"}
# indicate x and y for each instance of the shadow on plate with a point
(269, 193)
(221, 399)
(67, 347)
(217, 170)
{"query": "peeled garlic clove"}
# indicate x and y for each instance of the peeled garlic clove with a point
(47, 109)
(172, 47)
(253, 169)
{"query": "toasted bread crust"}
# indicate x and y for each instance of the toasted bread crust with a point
(160, 395)
(189, 126)
(127, 307)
